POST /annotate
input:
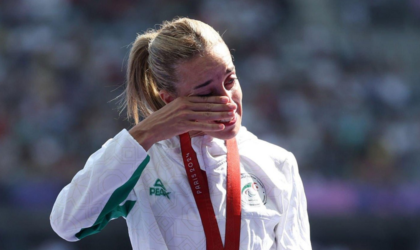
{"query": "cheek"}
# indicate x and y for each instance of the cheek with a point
(237, 95)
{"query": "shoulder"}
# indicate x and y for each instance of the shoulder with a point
(248, 143)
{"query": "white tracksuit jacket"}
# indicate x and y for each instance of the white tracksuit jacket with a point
(151, 190)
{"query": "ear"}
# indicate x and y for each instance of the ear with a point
(166, 96)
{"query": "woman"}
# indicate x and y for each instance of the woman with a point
(188, 176)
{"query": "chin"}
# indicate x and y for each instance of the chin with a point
(225, 135)
(230, 131)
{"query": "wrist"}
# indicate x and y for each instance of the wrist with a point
(143, 137)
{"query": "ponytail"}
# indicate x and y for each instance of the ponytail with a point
(142, 94)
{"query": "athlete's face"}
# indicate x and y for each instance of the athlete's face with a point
(213, 74)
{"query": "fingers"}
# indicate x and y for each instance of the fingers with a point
(193, 113)
(209, 99)
(209, 103)
(203, 126)
(209, 116)
(213, 107)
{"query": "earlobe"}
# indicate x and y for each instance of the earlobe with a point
(166, 96)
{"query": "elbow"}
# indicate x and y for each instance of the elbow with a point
(63, 227)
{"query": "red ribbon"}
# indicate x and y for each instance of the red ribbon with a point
(200, 189)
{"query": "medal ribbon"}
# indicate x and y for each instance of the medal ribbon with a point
(200, 189)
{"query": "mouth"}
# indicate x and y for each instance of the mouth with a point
(227, 122)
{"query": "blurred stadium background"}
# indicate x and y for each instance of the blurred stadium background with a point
(334, 81)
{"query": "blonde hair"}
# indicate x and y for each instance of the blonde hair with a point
(153, 60)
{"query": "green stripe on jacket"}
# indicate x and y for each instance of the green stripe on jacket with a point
(112, 208)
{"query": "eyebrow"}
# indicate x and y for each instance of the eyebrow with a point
(228, 70)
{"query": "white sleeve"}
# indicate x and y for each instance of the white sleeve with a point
(293, 232)
(102, 190)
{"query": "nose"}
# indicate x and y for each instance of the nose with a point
(222, 91)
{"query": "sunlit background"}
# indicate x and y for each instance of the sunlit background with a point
(336, 82)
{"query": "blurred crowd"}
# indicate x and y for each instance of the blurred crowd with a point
(337, 85)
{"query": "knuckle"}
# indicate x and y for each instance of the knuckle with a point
(183, 105)
(183, 114)
(178, 101)
(182, 123)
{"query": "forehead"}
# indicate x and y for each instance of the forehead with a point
(212, 64)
